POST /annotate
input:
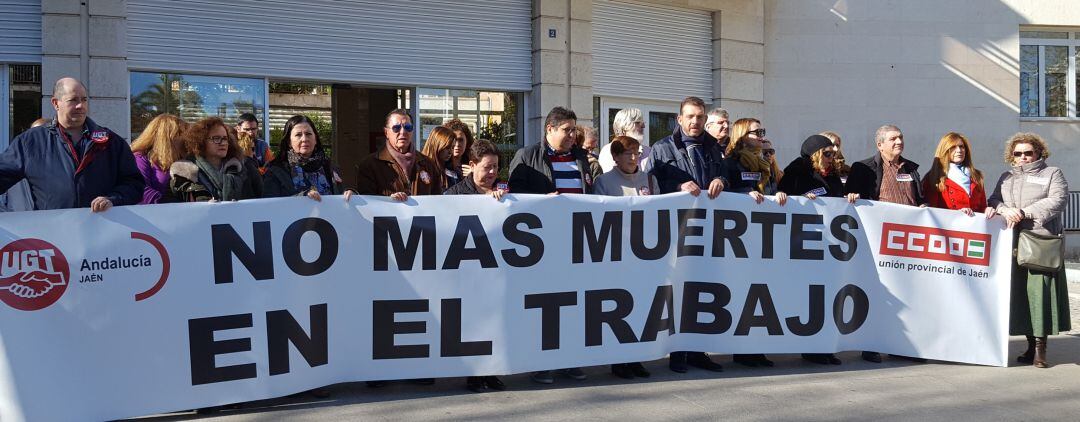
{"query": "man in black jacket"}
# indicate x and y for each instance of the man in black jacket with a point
(553, 165)
(886, 177)
(690, 159)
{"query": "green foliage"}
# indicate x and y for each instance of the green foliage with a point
(323, 126)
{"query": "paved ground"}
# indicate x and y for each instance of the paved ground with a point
(793, 390)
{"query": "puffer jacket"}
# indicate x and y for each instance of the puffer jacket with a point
(1040, 191)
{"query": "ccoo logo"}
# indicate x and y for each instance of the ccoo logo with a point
(33, 274)
(934, 243)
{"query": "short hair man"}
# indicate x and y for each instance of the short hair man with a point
(689, 159)
(248, 124)
(886, 177)
(397, 170)
(72, 162)
(553, 165)
(717, 124)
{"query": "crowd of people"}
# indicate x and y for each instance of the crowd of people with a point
(72, 162)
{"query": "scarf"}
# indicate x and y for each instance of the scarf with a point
(697, 158)
(226, 183)
(308, 172)
(961, 175)
(405, 161)
(750, 158)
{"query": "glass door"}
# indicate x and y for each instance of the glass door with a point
(660, 117)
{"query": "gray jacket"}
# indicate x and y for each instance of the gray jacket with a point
(1038, 190)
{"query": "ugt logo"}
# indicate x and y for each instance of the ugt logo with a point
(33, 274)
(934, 243)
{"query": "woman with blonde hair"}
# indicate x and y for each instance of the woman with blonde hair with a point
(1031, 196)
(155, 150)
(745, 169)
(842, 167)
(439, 147)
(953, 182)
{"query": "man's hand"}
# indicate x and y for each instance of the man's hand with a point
(100, 204)
(691, 187)
(715, 187)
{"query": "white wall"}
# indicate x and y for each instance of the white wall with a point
(928, 66)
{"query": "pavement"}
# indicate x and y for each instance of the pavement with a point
(793, 390)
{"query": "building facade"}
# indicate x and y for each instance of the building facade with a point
(986, 68)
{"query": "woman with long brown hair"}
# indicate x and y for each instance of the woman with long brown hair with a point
(439, 148)
(216, 169)
(155, 150)
(953, 182)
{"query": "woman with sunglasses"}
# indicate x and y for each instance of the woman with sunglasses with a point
(814, 173)
(769, 154)
(1032, 196)
(953, 182)
(745, 169)
(216, 169)
(300, 166)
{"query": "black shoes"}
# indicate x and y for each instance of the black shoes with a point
(702, 361)
(677, 362)
(481, 384)
(639, 370)
(622, 370)
(874, 357)
(753, 360)
(821, 358)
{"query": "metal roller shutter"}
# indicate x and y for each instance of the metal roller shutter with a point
(476, 44)
(20, 31)
(651, 52)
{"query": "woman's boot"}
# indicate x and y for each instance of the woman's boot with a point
(1029, 356)
(1040, 352)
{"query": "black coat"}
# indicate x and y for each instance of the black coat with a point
(530, 170)
(671, 165)
(800, 179)
(865, 178)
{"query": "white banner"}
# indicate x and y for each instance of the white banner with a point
(150, 309)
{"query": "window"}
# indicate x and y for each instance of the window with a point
(21, 85)
(495, 116)
(1048, 77)
(193, 97)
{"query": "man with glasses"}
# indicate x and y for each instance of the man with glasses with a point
(72, 162)
(717, 125)
(886, 177)
(397, 170)
(248, 125)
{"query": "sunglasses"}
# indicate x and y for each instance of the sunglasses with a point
(768, 152)
(758, 132)
(828, 154)
(218, 140)
(1023, 153)
(397, 128)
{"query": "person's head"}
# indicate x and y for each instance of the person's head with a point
(559, 128)
(767, 151)
(71, 101)
(209, 138)
(629, 122)
(589, 138)
(717, 123)
(463, 137)
(745, 133)
(162, 141)
(484, 161)
(626, 151)
(889, 141)
(821, 152)
(248, 124)
(953, 148)
(833, 136)
(299, 136)
(439, 146)
(398, 129)
(1025, 147)
(41, 121)
(692, 116)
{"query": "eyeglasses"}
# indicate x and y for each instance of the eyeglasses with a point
(398, 127)
(758, 132)
(768, 152)
(1023, 153)
(828, 154)
(249, 129)
(218, 140)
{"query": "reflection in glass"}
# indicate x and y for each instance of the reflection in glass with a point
(1057, 69)
(490, 115)
(661, 125)
(1029, 80)
(192, 97)
(25, 97)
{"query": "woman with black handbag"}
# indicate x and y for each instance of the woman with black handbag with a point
(1031, 197)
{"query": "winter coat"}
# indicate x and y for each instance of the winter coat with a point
(1040, 191)
(865, 178)
(380, 174)
(800, 178)
(277, 181)
(189, 183)
(531, 171)
(156, 189)
(954, 197)
(671, 165)
(47, 161)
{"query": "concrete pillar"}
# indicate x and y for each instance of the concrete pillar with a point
(739, 58)
(88, 40)
(562, 61)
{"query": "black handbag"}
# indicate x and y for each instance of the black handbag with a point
(1040, 252)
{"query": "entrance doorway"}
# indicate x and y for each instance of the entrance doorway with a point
(660, 117)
